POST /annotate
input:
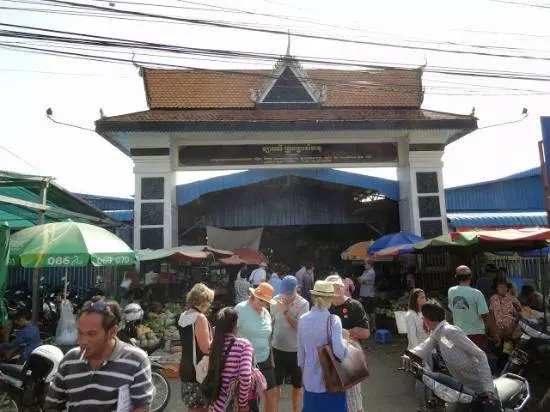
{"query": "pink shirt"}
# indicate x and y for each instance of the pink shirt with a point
(238, 365)
(349, 287)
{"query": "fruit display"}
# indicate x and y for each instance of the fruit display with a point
(146, 338)
(164, 323)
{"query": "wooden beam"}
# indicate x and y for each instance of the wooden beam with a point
(25, 203)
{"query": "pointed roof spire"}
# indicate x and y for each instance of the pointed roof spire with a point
(288, 45)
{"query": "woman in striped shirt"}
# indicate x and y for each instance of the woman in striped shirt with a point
(230, 365)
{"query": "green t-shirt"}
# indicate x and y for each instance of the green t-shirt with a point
(467, 305)
(256, 328)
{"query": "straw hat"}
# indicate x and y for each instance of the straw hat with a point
(264, 292)
(335, 279)
(323, 288)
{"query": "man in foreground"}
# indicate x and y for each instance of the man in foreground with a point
(464, 360)
(103, 373)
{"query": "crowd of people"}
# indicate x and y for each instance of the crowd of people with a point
(271, 337)
(483, 332)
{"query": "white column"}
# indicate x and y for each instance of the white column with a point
(155, 207)
(422, 197)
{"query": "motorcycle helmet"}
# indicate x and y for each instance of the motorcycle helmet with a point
(133, 312)
(43, 362)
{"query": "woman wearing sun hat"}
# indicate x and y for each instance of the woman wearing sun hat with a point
(312, 333)
(255, 326)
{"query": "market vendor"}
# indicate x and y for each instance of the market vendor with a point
(26, 339)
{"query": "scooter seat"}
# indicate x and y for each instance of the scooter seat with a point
(509, 390)
(14, 370)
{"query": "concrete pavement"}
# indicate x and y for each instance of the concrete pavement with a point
(386, 390)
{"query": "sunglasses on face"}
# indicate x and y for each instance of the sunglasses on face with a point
(95, 307)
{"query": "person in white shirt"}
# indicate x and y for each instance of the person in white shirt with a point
(367, 291)
(258, 275)
(416, 334)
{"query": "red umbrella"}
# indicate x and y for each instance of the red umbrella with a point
(232, 261)
(250, 257)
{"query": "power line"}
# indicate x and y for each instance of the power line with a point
(17, 156)
(271, 57)
(262, 76)
(285, 33)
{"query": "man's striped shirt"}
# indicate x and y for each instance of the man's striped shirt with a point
(77, 387)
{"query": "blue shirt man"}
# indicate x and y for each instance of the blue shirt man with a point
(26, 339)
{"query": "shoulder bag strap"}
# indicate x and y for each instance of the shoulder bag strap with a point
(194, 345)
(329, 329)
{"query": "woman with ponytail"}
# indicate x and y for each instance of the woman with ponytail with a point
(228, 383)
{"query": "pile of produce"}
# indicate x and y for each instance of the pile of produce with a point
(146, 338)
(164, 323)
(394, 305)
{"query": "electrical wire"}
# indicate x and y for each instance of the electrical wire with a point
(260, 29)
(271, 57)
(17, 156)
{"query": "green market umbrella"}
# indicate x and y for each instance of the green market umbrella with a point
(64, 245)
(68, 244)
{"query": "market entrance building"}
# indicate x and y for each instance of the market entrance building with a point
(284, 118)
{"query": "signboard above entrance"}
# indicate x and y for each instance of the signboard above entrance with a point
(287, 154)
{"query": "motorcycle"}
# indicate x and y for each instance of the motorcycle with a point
(513, 390)
(531, 358)
(24, 387)
(161, 384)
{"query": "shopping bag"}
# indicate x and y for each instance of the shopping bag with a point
(66, 333)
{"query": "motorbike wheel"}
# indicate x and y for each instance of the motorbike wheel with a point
(7, 403)
(161, 395)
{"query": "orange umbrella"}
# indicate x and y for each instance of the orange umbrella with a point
(357, 251)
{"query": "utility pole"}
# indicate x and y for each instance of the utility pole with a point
(36, 273)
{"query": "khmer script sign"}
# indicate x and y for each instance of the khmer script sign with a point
(287, 154)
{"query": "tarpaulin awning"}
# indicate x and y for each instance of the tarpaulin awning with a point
(21, 205)
(180, 253)
(505, 240)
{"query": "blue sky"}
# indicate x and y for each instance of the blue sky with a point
(82, 161)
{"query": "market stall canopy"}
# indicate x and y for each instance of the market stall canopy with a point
(68, 244)
(393, 239)
(180, 253)
(232, 261)
(21, 203)
(495, 240)
(357, 251)
(250, 257)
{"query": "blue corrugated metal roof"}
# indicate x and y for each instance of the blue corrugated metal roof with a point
(492, 219)
(520, 193)
(122, 215)
(193, 191)
(108, 202)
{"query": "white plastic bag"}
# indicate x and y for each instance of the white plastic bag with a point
(66, 333)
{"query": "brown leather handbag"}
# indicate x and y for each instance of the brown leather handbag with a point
(341, 375)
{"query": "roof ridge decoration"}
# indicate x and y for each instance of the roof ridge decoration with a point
(288, 64)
